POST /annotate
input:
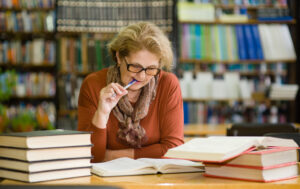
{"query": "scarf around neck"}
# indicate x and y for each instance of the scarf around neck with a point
(130, 131)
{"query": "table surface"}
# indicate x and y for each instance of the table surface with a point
(205, 129)
(174, 181)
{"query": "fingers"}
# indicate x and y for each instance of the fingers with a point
(113, 90)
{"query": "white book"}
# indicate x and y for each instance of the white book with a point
(222, 148)
(202, 85)
(127, 166)
(232, 80)
(219, 91)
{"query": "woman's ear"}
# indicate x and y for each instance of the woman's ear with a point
(118, 58)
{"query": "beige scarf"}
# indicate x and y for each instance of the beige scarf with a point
(130, 131)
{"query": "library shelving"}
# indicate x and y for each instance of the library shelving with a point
(27, 61)
(231, 41)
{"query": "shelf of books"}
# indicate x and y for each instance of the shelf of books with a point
(235, 58)
(83, 31)
(27, 65)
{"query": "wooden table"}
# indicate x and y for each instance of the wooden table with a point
(172, 181)
(205, 129)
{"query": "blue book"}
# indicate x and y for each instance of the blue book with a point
(257, 41)
(241, 42)
(186, 112)
(198, 41)
(250, 44)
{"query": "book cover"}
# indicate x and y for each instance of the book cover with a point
(274, 173)
(45, 139)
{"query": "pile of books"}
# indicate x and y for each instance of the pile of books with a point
(261, 159)
(45, 155)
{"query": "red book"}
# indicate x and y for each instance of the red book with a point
(265, 165)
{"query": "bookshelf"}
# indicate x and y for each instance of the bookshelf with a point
(28, 59)
(82, 40)
(216, 30)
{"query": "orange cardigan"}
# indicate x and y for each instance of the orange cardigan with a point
(163, 124)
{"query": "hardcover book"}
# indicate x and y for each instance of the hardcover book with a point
(45, 139)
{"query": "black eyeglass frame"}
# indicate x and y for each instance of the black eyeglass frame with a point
(141, 69)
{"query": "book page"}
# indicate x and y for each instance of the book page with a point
(174, 165)
(122, 166)
(212, 148)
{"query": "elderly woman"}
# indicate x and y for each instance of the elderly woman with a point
(144, 120)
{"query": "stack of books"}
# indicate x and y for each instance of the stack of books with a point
(45, 155)
(260, 159)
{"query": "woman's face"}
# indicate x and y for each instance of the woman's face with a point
(136, 61)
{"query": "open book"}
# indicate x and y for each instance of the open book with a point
(127, 166)
(221, 148)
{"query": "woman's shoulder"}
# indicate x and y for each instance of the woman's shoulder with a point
(168, 78)
(97, 78)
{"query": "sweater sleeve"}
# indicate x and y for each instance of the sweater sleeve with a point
(87, 106)
(170, 120)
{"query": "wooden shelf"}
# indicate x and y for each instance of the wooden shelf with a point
(67, 113)
(232, 23)
(52, 33)
(27, 9)
(256, 96)
(28, 97)
(82, 74)
(254, 73)
(27, 66)
(196, 61)
(250, 7)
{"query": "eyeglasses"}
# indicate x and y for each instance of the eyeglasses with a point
(137, 69)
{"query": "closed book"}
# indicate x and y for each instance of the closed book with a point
(45, 175)
(45, 153)
(45, 139)
(46, 165)
(266, 158)
(270, 174)
(223, 148)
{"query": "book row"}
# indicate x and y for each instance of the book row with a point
(38, 52)
(109, 16)
(239, 42)
(24, 21)
(35, 85)
(27, 4)
(218, 113)
(83, 54)
(27, 117)
(245, 2)
(229, 86)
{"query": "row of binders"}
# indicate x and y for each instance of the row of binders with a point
(233, 87)
(45, 155)
(28, 4)
(36, 52)
(24, 21)
(239, 42)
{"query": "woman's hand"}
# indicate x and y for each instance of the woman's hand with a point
(108, 98)
(114, 154)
